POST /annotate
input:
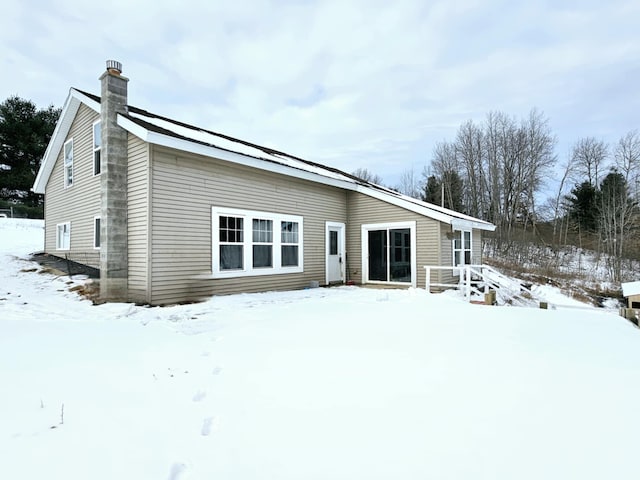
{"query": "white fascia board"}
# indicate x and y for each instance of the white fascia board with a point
(456, 223)
(461, 224)
(219, 153)
(262, 164)
(399, 202)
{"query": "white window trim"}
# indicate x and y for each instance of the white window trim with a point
(58, 243)
(66, 183)
(97, 217)
(94, 149)
(365, 250)
(460, 235)
(247, 243)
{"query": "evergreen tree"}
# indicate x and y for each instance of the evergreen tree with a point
(583, 206)
(432, 190)
(24, 134)
(453, 190)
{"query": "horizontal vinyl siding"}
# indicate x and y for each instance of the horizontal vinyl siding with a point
(446, 247)
(80, 203)
(476, 246)
(447, 253)
(363, 209)
(185, 187)
(137, 219)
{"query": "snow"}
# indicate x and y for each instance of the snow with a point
(630, 288)
(337, 383)
(239, 147)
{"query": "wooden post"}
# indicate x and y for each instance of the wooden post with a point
(427, 284)
(490, 297)
(544, 305)
(468, 282)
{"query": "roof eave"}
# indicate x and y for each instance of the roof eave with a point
(227, 155)
(198, 148)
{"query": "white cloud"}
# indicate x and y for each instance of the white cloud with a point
(354, 83)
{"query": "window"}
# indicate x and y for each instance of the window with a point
(333, 242)
(231, 243)
(97, 142)
(68, 163)
(96, 232)
(462, 248)
(248, 243)
(289, 244)
(63, 236)
(262, 243)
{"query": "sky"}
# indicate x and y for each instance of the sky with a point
(351, 84)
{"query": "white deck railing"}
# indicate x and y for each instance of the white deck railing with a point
(473, 278)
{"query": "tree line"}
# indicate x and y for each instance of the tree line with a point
(498, 170)
(25, 131)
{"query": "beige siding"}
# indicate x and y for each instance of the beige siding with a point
(80, 203)
(138, 219)
(363, 209)
(446, 247)
(447, 252)
(184, 189)
(476, 246)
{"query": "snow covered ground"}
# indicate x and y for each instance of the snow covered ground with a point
(341, 383)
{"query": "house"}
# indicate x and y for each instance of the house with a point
(173, 213)
(631, 291)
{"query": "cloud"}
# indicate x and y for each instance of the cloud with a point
(369, 84)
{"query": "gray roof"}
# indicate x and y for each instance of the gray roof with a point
(162, 130)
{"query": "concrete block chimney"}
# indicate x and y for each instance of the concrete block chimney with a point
(113, 182)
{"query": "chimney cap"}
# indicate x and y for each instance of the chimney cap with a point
(114, 66)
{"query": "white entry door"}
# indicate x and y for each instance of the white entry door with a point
(335, 252)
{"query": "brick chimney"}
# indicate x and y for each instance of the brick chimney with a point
(113, 185)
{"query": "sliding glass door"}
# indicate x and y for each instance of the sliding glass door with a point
(389, 255)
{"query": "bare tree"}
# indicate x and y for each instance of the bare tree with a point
(615, 222)
(539, 158)
(470, 155)
(410, 184)
(367, 176)
(568, 169)
(589, 156)
(627, 159)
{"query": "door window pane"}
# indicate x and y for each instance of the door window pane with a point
(400, 266)
(378, 255)
(333, 242)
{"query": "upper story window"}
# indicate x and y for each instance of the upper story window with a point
(68, 163)
(255, 243)
(97, 141)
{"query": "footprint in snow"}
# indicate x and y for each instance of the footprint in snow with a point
(177, 469)
(199, 396)
(209, 424)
